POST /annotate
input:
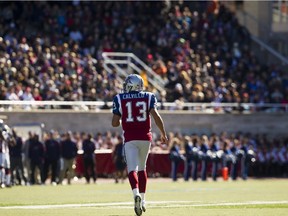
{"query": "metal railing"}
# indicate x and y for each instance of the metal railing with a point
(273, 52)
(126, 63)
(6, 105)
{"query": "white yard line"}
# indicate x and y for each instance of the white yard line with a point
(151, 204)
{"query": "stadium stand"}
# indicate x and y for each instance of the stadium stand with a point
(52, 51)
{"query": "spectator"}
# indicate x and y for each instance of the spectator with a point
(27, 96)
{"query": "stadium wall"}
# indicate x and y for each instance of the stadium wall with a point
(274, 124)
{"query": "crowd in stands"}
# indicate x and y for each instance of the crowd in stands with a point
(52, 51)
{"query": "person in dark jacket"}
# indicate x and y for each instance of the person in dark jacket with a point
(119, 161)
(52, 158)
(36, 155)
(68, 153)
(213, 149)
(195, 158)
(188, 146)
(16, 160)
(88, 147)
(236, 153)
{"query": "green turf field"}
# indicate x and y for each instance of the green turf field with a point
(245, 198)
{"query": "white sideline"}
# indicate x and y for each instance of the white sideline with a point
(151, 204)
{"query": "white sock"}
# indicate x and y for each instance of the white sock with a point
(8, 179)
(2, 175)
(136, 191)
(143, 196)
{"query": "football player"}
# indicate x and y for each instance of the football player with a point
(6, 139)
(132, 109)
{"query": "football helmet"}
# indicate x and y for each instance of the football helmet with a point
(133, 82)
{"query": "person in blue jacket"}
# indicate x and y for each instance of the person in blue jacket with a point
(235, 150)
(176, 157)
(204, 146)
(195, 158)
(214, 147)
(188, 147)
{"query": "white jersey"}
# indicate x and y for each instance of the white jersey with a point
(4, 147)
(4, 154)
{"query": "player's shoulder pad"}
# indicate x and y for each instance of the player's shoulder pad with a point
(149, 93)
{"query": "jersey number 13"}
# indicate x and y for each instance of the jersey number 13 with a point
(142, 115)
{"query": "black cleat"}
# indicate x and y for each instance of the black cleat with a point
(137, 206)
(143, 206)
